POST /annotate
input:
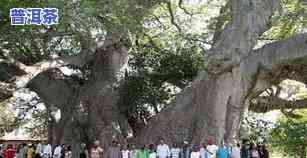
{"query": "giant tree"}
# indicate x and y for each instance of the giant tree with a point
(233, 76)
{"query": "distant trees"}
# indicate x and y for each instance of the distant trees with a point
(8, 121)
(290, 135)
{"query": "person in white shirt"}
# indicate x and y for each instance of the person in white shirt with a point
(195, 153)
(47, 152)
(39, 149)
(152, 152)
(125, 152)
(133, 151)
(202, 150)
(163, 150)
(57, 151)
(236, 152)
(211, 148)
(175, 151)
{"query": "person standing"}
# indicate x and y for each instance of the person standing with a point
(133, 151)
(163, 149)
(63, 146)
(152, 151)
(253, 151)
(236, 152)
(245, 152)
(68, 153)
(142, 153)
(96, 151)
(223, 151)
(202, 150)
(185, 150)
(114, 150)
(39, 150)
(263, 152)
(175, 151)
(22, 151)
(9, 152)
(30, 152)
(47, 151)
(195, 152)
(57, 151)
(83, 151)
(18, 151)
(211, 148)
(125, 152)
(1, 150)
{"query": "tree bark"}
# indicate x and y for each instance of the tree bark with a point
(210, 107)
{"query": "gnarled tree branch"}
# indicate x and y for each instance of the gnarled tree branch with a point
(276, 54)
(266, 104)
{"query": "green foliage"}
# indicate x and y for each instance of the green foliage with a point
(255, 127)
(7, 119)
(291, 20)
(38, 128)
(289, 135)
(156, 75)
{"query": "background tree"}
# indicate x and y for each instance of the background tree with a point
(7, 120)
(289, 135)
(255, 127)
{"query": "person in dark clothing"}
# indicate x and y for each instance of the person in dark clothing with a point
(263, 152)
(83, 151)
(185, 150)
(63, 151)
(245, 152)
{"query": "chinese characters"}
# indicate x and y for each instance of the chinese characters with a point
(34, 16)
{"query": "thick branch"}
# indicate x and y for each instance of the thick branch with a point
(250, 18)
(40, 67)
(265, 104)
(31, 71)
(276, 54)
(53, 87)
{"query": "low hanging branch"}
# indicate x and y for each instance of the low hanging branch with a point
(85, 56)
(270, 103)
(281, 52)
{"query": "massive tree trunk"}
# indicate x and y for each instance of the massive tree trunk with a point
(210, 107)
(214, 103)
(89, 110)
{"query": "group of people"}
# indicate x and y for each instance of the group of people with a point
(183, 150)
(161, 150)
(37, 150)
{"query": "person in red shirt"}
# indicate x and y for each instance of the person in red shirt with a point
(9, 152)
